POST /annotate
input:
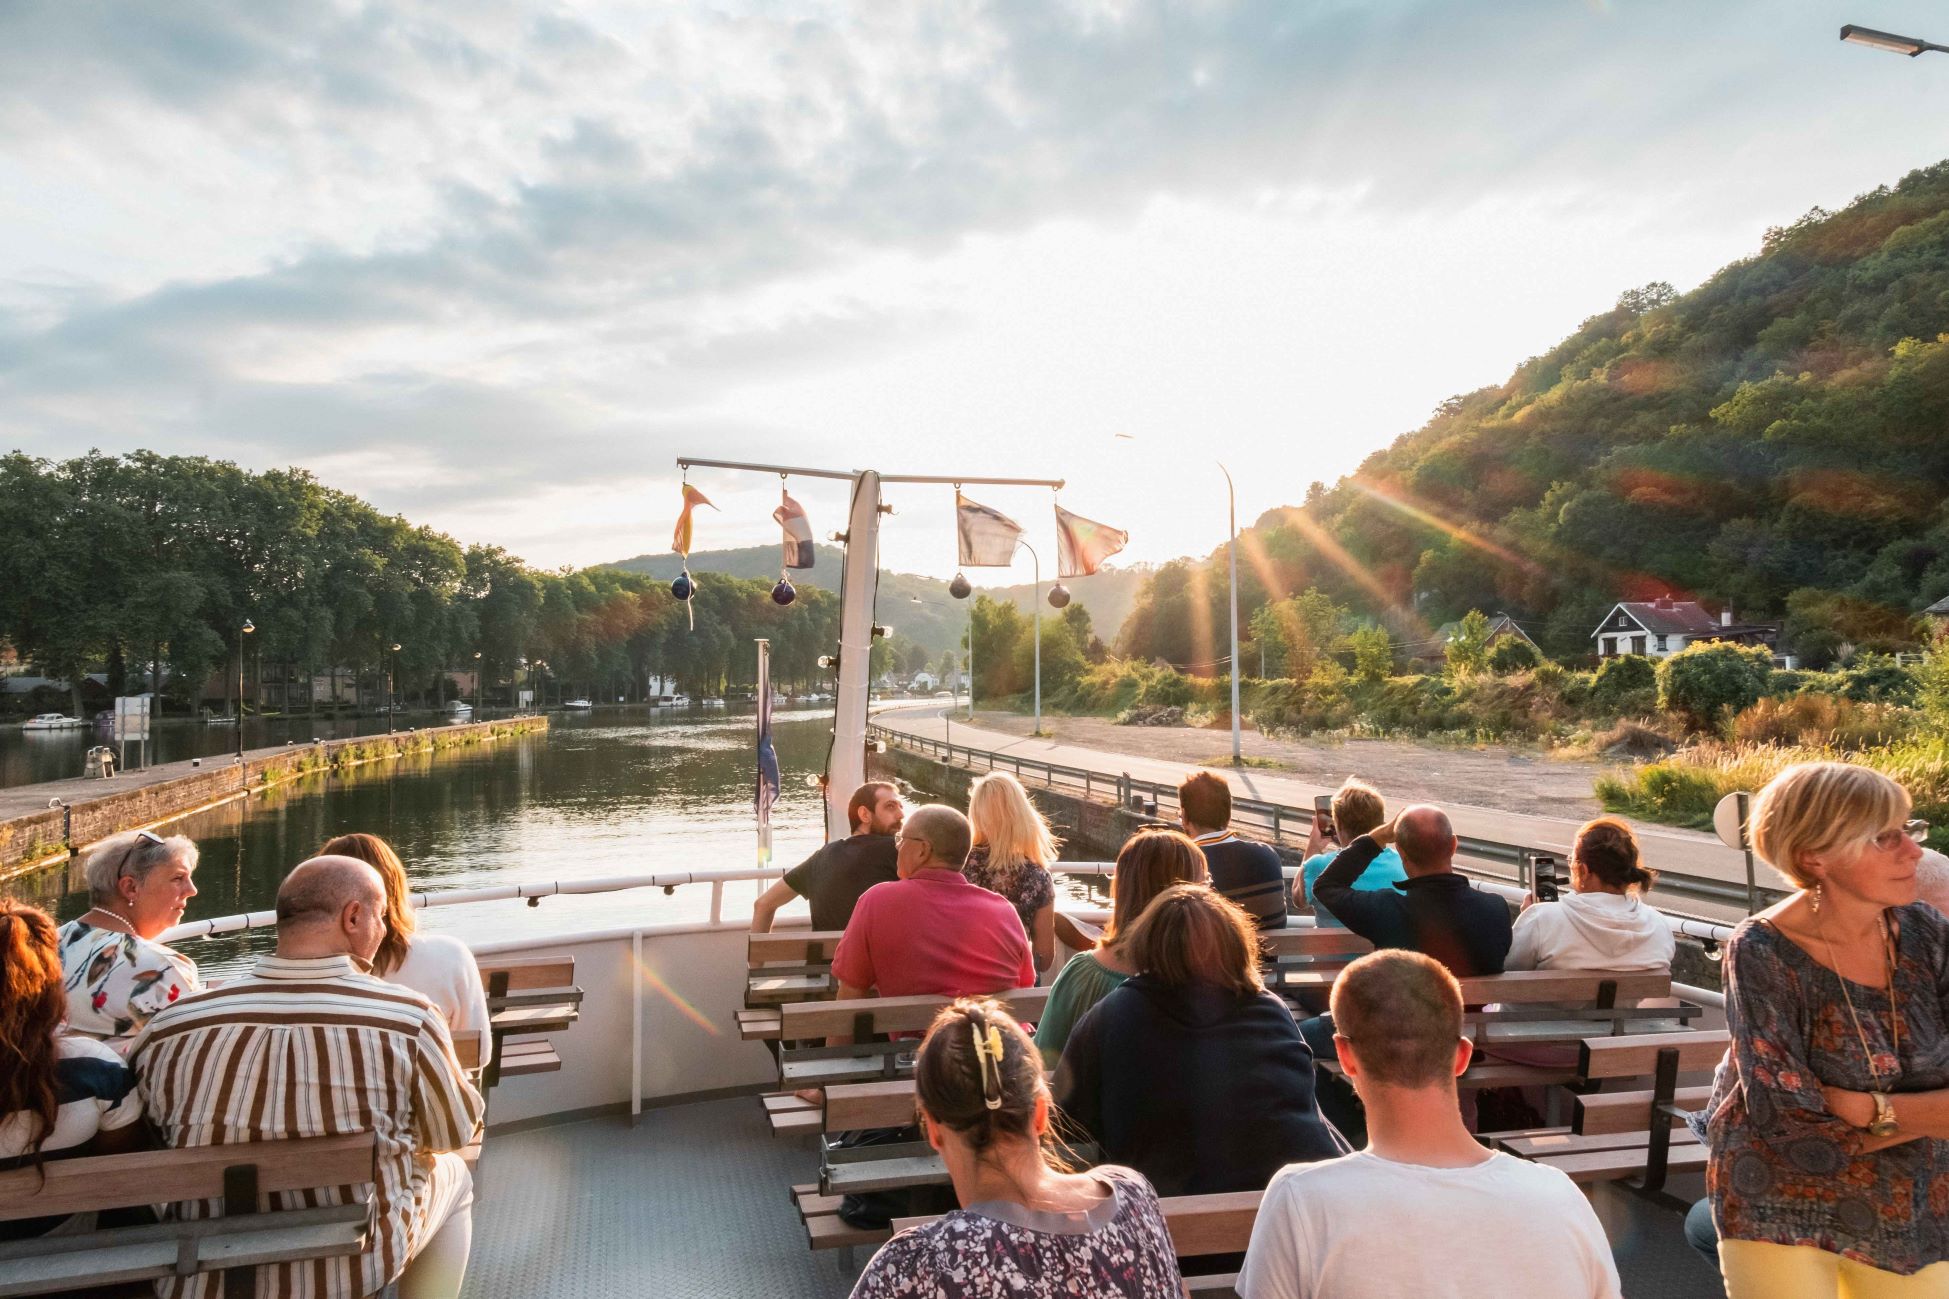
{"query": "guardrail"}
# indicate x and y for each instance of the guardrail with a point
(1503, 863)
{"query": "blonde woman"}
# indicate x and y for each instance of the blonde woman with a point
(117, 969)
(1012, 852)
(438, 967)
(1828, 1128)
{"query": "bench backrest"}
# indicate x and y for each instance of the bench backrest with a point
(813, 1019)
(1532, 987)
(194, 1173)
(525, 973)
(1200, 1224)
(793, 947)
(466, 1048)
(1636, 1055)
(1314, 942)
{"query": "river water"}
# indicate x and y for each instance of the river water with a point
(622, 794)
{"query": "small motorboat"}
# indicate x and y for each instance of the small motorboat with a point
(578, 705)
(53, 722)
(460, 710)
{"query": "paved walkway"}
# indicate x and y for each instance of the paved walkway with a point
(1686, 852)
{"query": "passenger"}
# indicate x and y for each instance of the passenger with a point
(1149, 862)
(1248, 873)
(1603, 922)
(1434, 910)
(1011, 855)
(834, 877)
(1357, 808)
(118, 974)
(438, 967)
(61, 1094)
(264, 1057)
(1027, 1229)
(930, 932)
(1191, 1072)
(1932, 879)
(1424, 1210)
(1827, 1163)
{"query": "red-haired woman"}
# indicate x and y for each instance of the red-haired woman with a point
(61, 1094)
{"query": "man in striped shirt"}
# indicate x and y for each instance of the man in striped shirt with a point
(306, 1045)
(1248, 873)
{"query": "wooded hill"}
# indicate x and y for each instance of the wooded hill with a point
(1777, 438)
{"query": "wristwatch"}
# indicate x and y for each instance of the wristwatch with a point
(1884, 1124)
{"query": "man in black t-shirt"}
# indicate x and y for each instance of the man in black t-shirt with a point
(832, 878)
(1248, 873)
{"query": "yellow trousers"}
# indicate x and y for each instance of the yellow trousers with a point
(1760, 1270)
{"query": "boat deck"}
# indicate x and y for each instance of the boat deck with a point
(692, 1201)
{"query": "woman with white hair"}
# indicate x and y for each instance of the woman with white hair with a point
(1828, 1129)
(117, 974)
(1011, 856)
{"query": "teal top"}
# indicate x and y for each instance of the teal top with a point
(1080, 984)
(1384, 872)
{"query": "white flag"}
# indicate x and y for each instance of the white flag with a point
(988, 536)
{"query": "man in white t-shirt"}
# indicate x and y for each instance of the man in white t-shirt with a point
(1424, 1212)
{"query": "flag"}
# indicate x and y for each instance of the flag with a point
(1083, 544)
(988, 536)
(767, 756)
(693, 498)
(798, 532)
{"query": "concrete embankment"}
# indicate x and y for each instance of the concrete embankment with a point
(42, 825)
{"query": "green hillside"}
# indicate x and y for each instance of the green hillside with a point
(1778, 438)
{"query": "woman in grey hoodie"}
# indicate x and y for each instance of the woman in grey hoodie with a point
(1604, 923)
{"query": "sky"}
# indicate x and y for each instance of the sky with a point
(496, 266)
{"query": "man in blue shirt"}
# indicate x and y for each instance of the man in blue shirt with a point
(1357, 809)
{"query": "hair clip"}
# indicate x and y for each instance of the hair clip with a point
(988, 1050)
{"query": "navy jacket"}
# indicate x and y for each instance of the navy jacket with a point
(1197, 1088)
(1439, 915)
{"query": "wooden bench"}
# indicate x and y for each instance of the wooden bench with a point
(863, 1059)
(790, 966)
(527, 997)
(243, 1236)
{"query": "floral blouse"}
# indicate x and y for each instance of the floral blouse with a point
(1781, 1168)
(1031, 890)
(116, 981)
(1119, 1249)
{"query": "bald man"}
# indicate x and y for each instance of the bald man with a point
(274, 1047)
(1434, 910)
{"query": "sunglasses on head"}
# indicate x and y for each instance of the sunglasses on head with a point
(141, 837)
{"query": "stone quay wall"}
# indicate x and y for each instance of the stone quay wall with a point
(47, 836)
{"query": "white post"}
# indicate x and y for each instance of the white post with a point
(1231, 524)
(862, 577)
(1037, 561)
(971, 600)
(635, 1027)
(764, 727)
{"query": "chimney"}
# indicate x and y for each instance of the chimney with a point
(1725, 615)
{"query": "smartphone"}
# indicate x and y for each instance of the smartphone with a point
(1543, 871)
(1323, 816)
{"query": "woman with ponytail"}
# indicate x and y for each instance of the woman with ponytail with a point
(1603, 923)
(61, 1094)
(1027, 1228)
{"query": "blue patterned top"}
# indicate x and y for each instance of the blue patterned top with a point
(1783, 1169)
(1119, 1249)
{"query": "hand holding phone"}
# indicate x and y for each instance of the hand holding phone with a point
(1323, 817)
(1543, 870)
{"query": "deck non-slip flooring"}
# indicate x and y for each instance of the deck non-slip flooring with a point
(692, 1203)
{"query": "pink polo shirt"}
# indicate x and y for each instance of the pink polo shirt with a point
(934, 935)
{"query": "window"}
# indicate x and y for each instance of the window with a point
(1637, 644)
(1661, 644)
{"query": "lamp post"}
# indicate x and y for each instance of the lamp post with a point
(392, 667)
(541, 700)
(1037, 560)
(1874, 40)
(477, 685)
(1231, 553)
(242, 632)
(947, 717)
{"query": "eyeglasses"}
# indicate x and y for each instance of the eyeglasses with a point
(141, 836)
(1891, 839)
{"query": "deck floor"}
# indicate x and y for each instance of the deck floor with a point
(692, 1202)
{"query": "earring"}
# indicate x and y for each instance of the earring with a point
(1814, 901)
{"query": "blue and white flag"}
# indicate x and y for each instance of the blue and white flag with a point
(767, 756)
(798, 532)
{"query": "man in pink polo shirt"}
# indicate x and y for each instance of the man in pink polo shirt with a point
(930, 932)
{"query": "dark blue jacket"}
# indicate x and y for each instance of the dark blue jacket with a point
(1441, 915)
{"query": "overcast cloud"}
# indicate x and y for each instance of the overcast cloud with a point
(495, 265)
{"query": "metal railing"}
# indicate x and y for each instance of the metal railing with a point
(1493, 861)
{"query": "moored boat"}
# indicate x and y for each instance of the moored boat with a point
(53, 722)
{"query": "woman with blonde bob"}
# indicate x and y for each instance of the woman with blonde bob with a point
(1149, 862)
(438, 967)
(1828, 1127)
(117, 969)
(1012, 852)
(1028, 1228)
(1191, 1072)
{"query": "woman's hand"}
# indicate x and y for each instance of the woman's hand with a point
(1529, 900)
(1856, 1109)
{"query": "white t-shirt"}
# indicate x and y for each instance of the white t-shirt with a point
(442, 970)
(1363, 1227)
(94, 1091)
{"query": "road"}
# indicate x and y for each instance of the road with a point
(1666, 848)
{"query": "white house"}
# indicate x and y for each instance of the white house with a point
(923, 680)
(1661, 628)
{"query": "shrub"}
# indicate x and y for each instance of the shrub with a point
(1168, 688)
(1819, 720)
(1878, 679)
(1512, 654)
(1703, 683)
(1620, 676)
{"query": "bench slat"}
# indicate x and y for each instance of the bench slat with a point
(534, 1019)
(830, 1231)
(132, 1254)
(196, 1173)
(869, 1105)
(1637, 1055)
(800, 947)
(816, 1019)
(1301, 941)
(1629, 1111)
(1199, 1224)
(1523, 987)
(528, 971)
(885, 1174)
(1612, 1165)
(1555, 1145)
(521, 1058)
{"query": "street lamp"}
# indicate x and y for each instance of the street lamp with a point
(477, 685)
(243, 631)
(947, 717)
(1231, 552)
(1037, 559)
(1874, 40)
(392, 666)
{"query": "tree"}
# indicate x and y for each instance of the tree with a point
(1467, 650)
(1706, 683)
(1373, 654)
(999, 628)
(1512, 654)
(1296, 632)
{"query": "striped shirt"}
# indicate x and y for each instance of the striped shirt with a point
(1248, 873)
(310, 1048)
